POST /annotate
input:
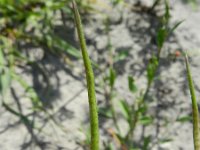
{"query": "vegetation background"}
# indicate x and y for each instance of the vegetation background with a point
(136, 49)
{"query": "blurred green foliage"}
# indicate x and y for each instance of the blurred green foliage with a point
(31, 23)
(26, 24)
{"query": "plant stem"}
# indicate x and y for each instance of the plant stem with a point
(94, 145)
(195, 112)
(155, 4)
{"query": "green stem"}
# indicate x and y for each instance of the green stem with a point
(90, 82)
(195, 112)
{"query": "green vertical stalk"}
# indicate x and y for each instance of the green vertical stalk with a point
(94, 145)
(195, 112)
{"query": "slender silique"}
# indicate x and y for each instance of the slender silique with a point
(195, 112)
(90, 82)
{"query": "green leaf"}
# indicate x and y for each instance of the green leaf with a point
(184, 119)
(121, 56)
(131, 84)
(105, 112)
(167, 14)
(176, 26)
(161, 36)
(110, 147)
(146, 120)
(165, 140)
(125, 108)
(142, 109)
(151, 69)
(66, 47)
(116, 2)
(147, 141)
(112, 77)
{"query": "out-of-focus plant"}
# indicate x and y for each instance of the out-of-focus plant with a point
(136, 113)
(31, 23)
(194, 3)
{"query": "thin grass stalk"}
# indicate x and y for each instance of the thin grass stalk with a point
(94, 145)
(195, 112)
(156, 2)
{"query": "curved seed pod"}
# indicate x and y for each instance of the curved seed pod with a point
(90, 82)
(195, 112)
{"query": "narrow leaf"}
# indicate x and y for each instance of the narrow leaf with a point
(123, 105)
(161, 36)
(112, 77)
(131, 84)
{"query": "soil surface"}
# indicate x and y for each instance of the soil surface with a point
(110, 31)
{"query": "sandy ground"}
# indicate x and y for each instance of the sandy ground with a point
(67, 97)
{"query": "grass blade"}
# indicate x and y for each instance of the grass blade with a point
(90, 82)
(195, 111)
